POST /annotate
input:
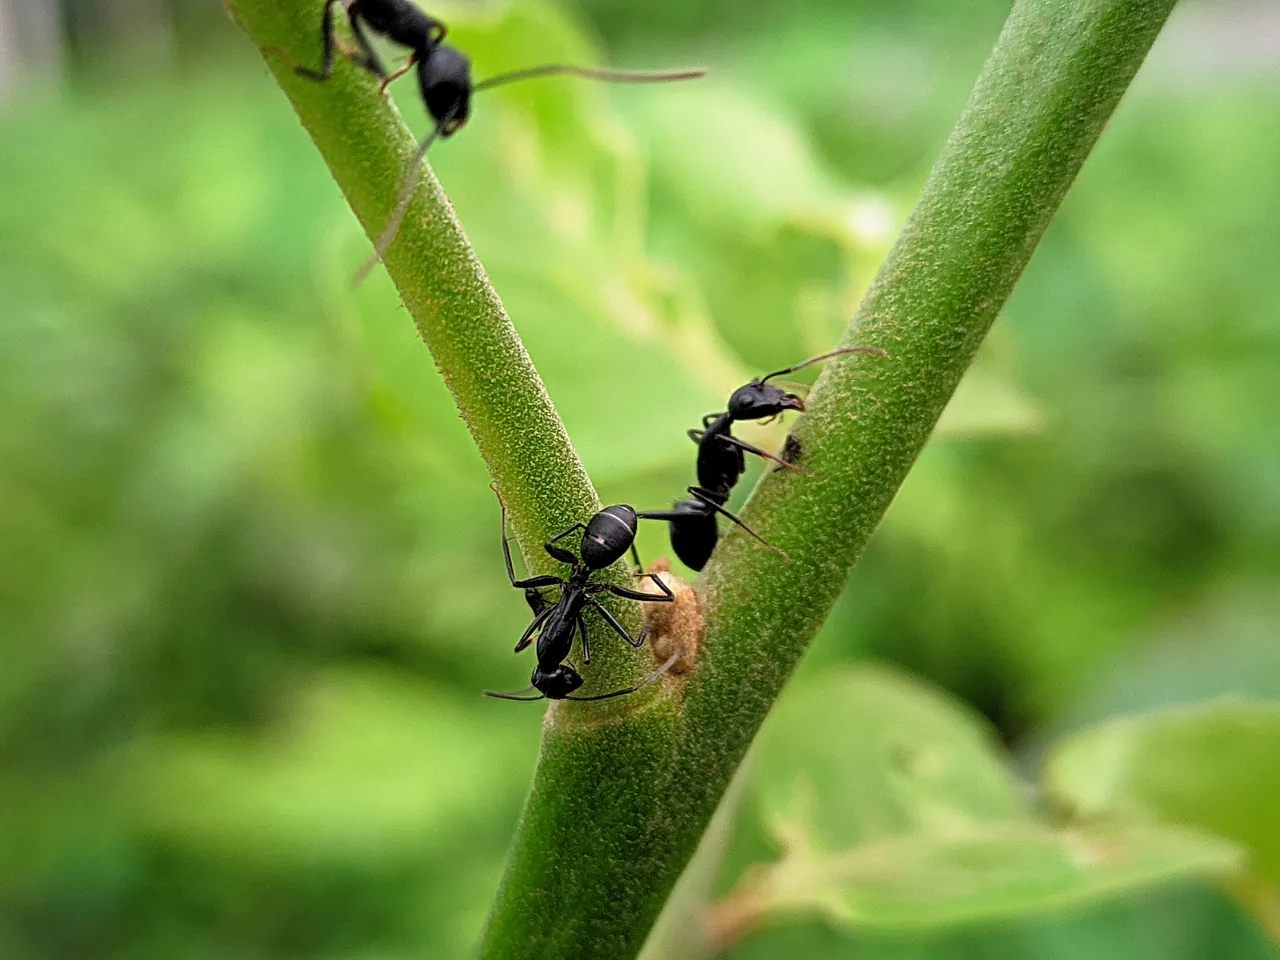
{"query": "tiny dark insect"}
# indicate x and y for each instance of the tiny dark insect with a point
(722, 461)
(791, 450)
(444, 79)
(693, 527)
(605, 538)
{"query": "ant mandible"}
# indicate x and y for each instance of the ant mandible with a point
(605, 538)
(722, 461)
(444, 79)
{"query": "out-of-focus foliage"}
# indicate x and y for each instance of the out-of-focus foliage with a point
(912, 820)
(1215, 765)
(251, 584)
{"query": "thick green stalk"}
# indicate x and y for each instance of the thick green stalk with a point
(446, 290)
(617, 808)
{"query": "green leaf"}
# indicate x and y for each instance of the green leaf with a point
(743, 163)
(869, 753)
(982, 873)
(738, 184)
(1215, 766)
(552, 189)
(896, 811)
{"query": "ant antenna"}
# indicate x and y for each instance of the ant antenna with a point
(402, 206)
(671, 662)
(517, 695)
(874, 351)
(588, 73)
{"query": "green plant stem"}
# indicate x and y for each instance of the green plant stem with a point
(367, 147)
(617, 808)
(446, 290)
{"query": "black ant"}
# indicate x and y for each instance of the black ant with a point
(605, 538)
(693, 526)
(722, 461)
(444, 78)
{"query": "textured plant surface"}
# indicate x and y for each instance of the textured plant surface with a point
(454, 306)
(623, 791)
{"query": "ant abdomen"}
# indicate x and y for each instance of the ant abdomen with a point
(694, 535)
(444, 78)
(609, 534)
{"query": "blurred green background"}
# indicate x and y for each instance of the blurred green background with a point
(251, 585)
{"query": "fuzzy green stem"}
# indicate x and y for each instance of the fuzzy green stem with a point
(446, 290)
(617, 809)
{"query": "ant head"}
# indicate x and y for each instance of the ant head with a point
(445, 78)
(609, 535)
(759, 400)
(556, 683)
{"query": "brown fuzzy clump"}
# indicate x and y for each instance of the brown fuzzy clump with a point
(674, 626)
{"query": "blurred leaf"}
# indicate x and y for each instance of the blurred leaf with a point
(737, 160)
(738, 185)
(895, 811)
(863, 754)
(1222, 645)
(551, 187)
(979, 873)
(986, 406)
(1213, 766)
(367, 767)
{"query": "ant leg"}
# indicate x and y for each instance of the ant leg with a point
(708, 498)
(391, 78)
(743, 445)
(527, 637)
(661, 515)
(368, 58)
(559, 553)
(515, 696)
(536, 601)
(528, 582)
(657, 674)
(623, 592)
(537, 582)
(635, 556)
(547, 580)
(326, 38)
(618, 628)
(586, 649)
(564, 533)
